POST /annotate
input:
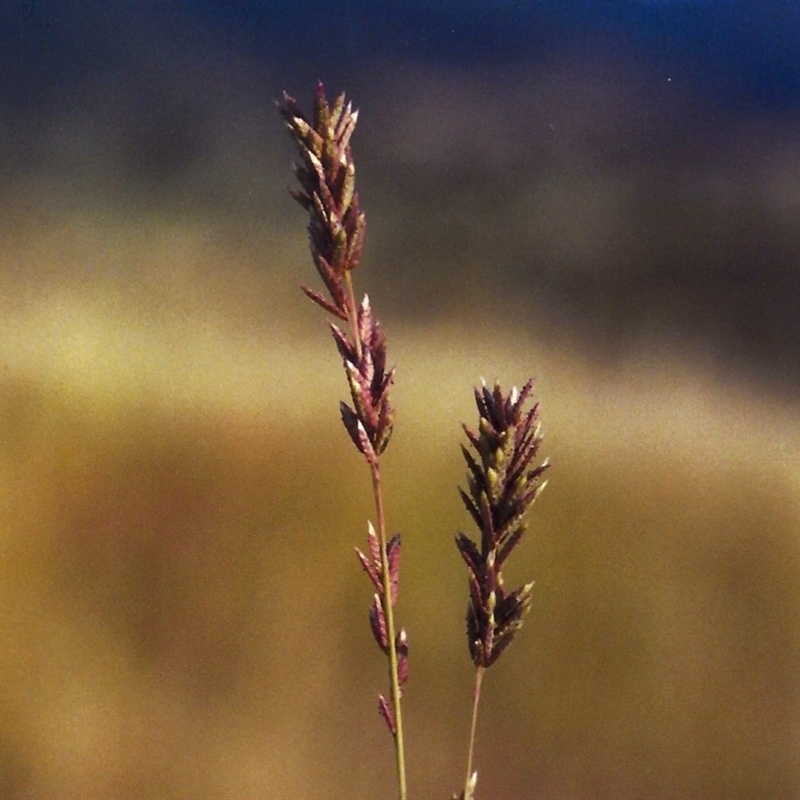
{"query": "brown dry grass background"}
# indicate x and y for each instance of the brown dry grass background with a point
(182, 613)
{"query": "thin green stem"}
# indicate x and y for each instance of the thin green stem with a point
(387, 607)
(469, 782)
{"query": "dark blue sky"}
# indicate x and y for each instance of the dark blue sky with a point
(745, 55)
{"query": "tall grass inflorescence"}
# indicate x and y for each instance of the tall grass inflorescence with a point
(502, 478)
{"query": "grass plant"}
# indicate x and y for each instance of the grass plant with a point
(503, 477)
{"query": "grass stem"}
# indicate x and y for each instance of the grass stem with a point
(393, 661)
(469, 782)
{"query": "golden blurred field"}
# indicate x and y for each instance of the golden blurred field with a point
(182, 613)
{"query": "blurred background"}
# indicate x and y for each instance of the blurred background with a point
(602, 195)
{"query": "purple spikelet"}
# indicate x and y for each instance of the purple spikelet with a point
(502, 483)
